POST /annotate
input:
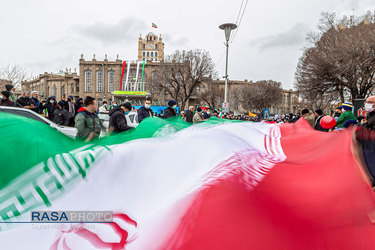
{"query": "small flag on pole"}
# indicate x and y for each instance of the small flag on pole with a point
(154, 26)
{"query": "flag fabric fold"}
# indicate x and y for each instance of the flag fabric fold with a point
(173, 185)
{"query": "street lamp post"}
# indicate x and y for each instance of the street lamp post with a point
(227, 27)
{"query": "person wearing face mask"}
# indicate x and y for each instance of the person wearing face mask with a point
(114, 105)
(117, 119)
(50, 106)
(207, 114)
(61, 115)
(5, 101)
(347, 114)
(145, 111)
(338, 112)
(171, 110)
(365, 135)
(103, 110)
(198, 117)
(12, 96)
(369, 107)
(78, 104)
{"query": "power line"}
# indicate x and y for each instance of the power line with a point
(239, 12)
(239, 24)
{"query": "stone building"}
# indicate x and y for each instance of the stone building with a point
(54, 84)
(151, 48)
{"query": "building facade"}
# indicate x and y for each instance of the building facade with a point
(150, 48)
(50, 84)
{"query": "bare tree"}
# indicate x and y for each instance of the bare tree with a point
(340, 64)
(182, 71)
(211, 93)
(260, 95)
(14, 73)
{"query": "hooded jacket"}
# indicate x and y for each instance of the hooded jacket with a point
(169, 112)
(117, 120)
(51, 107)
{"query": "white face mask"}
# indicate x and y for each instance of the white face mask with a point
(208, 112)
(1, 97)
(174, 106)
(369, 107)
(147, 106)
(51, 101)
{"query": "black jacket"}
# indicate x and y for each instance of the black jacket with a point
(143, 113)
(51, 107)
(37, 104)
(23, 101)
(189, 116)
(8, 103)
(117, 120)
(61, 117)
(169, 112)
(317, 124)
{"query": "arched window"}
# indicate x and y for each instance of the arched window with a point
(143, 53)
(198, 89)
(72, 89)
(156, 54)
(99, 81)
(203, 89)
(77, 87)
(62, 90)
(156, 46)
(148, 54)
(144, 46)
(54, 90)
(88, 81)
(152, 54)
(111, 81)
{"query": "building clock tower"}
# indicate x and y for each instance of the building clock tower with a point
(151, 48)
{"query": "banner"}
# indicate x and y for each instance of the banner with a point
(136, 77)
(255, 186)
(127, 76)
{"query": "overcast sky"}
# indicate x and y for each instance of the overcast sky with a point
(49, 35)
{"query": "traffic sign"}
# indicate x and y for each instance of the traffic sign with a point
(225, 107)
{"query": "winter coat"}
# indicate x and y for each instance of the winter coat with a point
(347, 115)
(78, 105)
(310, 119)
(23, 102)
(72, 108)
(370, 124)
(143, 113)
(169, 112)
(206, 116)
(51, 107)
(61, 117)
(86, 123)
(317, 124)
(198, 117)
(8, 103)
(189, 116)
(37, 104)
(117, 120)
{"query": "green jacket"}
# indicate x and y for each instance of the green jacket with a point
(86, 123)
(12, 97)
(347, 115)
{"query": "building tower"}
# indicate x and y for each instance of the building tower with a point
(151, 48)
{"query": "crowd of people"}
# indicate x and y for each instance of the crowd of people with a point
(87, 117)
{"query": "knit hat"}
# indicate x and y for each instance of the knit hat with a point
(70, 97)
(347, 106)
(5, 93)
(199, 109)
(61, 103)
(9, 87)
(127, 105)
(172, 103)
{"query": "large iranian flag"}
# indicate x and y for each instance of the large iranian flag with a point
(216, 185)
